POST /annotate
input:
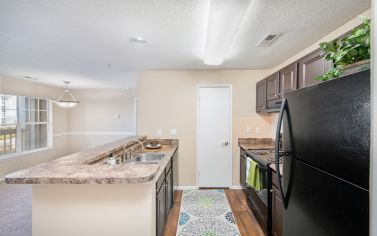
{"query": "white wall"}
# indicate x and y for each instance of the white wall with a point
(167, 100)
(102, 116)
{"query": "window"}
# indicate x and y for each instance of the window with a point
(25, 124)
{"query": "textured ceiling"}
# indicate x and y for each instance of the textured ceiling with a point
(75, 40)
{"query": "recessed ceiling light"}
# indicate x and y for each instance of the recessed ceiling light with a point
(138, 41)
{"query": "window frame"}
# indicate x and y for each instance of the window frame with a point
(50, 144)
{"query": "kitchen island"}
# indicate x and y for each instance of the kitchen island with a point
(77, 195)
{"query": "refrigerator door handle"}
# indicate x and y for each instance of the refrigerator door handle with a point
(277, 139)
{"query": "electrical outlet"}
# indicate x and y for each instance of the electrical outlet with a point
(173, 132)
(258, 130)
(159, 132)
(248, 129)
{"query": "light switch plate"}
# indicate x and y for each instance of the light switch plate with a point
(248, 129)
(173, 132)
(258, 130)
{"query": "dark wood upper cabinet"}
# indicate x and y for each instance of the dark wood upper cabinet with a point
(311, 66)
(261, 96)
(273, 89)
(288, 78)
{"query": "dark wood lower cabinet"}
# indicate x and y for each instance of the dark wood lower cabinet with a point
(161, 210)
(175, 174)
(164, 196)
(277, 208)
(169, 191)
(243, 171)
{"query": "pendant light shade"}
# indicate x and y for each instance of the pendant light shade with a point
(66, 99)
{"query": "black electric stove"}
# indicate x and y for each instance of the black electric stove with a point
(263, 157)
(259, 200)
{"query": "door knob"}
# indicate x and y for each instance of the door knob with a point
(225, 144)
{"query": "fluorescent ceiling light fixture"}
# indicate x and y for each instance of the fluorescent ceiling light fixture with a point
(224, 20)
(138, 41)
(66, 99)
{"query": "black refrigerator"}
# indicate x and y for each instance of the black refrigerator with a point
(326, 148)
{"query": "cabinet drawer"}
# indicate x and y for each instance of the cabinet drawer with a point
(259, 210)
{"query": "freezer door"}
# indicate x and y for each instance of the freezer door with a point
(322, 204)
(328, 126)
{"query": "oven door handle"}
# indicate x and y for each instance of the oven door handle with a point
(260, 165)
(277, 139)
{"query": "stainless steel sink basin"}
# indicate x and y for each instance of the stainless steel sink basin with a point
(147, 158)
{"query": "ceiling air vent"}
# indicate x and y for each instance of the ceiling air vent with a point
(267, 40)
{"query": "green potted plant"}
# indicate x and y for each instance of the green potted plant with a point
(349, 54)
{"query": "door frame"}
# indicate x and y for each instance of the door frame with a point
(199, 86)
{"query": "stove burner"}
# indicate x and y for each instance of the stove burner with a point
(272, 160)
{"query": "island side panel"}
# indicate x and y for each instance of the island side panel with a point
(121, 209)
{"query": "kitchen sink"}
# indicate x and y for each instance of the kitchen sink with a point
(147, 158)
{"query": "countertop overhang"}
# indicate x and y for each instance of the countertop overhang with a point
(76, 168)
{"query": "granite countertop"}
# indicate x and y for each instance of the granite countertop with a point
(256, 143)
(77, 168)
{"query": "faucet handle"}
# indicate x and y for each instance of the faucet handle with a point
(128, 154)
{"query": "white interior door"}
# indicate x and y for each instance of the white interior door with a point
(214, 136)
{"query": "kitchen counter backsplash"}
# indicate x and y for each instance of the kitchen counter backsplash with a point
(256, 143)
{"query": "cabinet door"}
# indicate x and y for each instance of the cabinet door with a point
(169, 192)
(288, 78)
(160, 210)
(311, 66)
(273, 87)
(277, 212)
(243, 171)
(175, 174)
(261, 96)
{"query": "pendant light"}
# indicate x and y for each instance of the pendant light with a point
(66, 99)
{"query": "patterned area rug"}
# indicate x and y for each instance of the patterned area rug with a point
(206, 213)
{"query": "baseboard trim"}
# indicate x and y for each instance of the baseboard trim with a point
(197, 187)
(236, 187)
(187, 187)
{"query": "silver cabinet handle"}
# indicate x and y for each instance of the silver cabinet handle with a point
(225, 143)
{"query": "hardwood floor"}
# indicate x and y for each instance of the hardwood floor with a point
(246, 222)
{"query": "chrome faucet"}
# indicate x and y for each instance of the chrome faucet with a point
(141, 143)
(128, 155)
